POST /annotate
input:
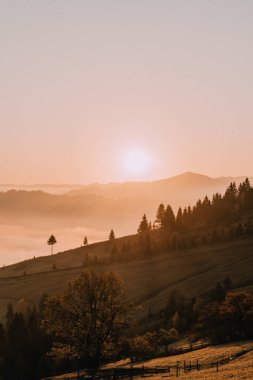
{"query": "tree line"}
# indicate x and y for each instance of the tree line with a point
(80, 328)
(228, 208)
(92, 322)
(208, 221)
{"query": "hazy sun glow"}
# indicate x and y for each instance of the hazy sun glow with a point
(137, 161)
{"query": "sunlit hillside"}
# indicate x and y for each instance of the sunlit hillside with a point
(234, 361)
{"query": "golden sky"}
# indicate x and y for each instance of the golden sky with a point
(108, 90)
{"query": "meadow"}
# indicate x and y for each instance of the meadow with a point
(237, 359)
(147, 281)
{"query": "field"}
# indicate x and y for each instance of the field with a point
(237, 359)
(148, 281)
(238, 368)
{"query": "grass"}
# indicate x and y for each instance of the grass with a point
(148, 281)
(240, 368)
(237, 368)
(207, 355)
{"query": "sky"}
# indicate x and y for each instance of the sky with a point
(113, 90)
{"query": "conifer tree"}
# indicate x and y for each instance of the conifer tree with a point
(160, 215)
(169, 220)
(231, 193)
(111, 236)
(247, 184)
(179, 219)
(144, 226)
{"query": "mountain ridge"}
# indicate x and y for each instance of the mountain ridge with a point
(27, 218)
(76, 186)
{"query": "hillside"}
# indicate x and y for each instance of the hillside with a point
(148, 281)
(29, 214)
(189, 253)
(99, 205)
(235, 361)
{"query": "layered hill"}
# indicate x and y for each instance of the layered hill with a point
(148, 281)
(30, 214)
(106, 206)
(28, 218)
(180, 190)
(99, 203)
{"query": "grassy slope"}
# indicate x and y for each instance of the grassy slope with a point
(147, 281)
(238, 368)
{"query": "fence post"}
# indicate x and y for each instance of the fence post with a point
(177, 370)
(217, 367)
(197, 364)
(78, 375)
(142, 371)
(190, 366)
(184, 366)
(169, 369)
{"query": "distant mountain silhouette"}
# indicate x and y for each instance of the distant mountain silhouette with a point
(28, 215)
(111, 205)
(180, 190)
(49, 188)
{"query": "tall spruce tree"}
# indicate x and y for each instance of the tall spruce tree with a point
(144, 226)
(160, 215)
(169, 220)
(179, 219)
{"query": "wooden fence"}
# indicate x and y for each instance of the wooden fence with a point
(132, 371)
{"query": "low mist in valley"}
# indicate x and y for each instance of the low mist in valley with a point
(23, 242)
(28, 218)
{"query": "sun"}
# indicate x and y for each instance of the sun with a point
(137, 162)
